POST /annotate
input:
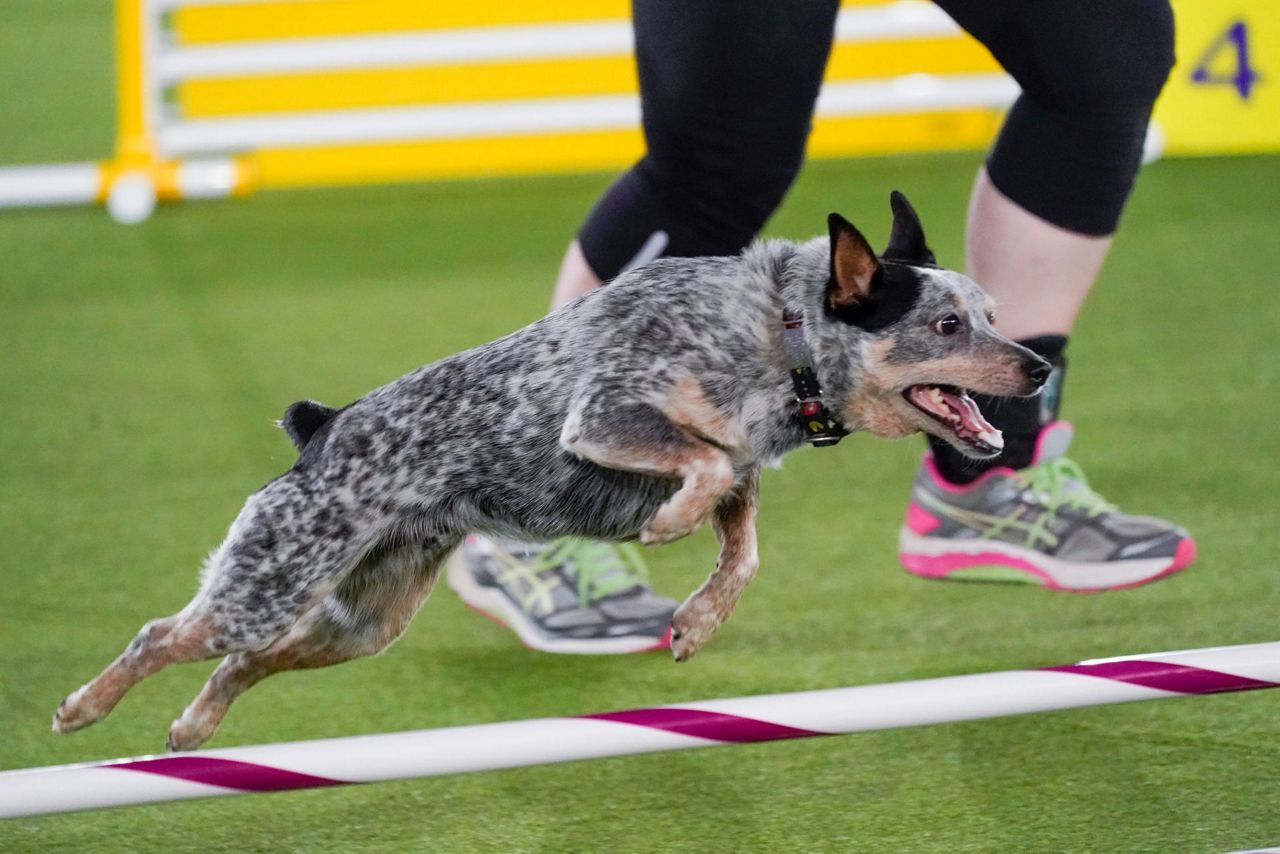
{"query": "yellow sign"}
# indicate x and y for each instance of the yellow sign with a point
(261, 79)
(1224, 93)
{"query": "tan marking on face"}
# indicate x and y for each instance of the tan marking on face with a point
(887, 416)
(995, 369)
(988, 369)
(877, 352)
(877, 406)
(873, 406)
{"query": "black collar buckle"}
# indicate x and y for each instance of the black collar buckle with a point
(820, 428)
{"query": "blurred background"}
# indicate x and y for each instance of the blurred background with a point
(403, 178)
(229, 96)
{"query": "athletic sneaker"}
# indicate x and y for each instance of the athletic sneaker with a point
(1039, 525)
(572, 596)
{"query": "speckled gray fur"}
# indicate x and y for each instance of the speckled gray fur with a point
(479, 442)
(472, 442)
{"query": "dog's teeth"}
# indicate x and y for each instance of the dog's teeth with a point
(994, 438)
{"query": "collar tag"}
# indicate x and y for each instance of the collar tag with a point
(820, 428)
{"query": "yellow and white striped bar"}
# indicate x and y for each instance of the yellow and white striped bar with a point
(914, 93)
(893, 21)
(283, 93)
(219, 96)
(219, 21)
(340, 91)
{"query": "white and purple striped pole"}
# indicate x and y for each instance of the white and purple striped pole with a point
(428, 753)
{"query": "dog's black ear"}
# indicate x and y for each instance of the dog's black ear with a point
(854, 268)
(302, 419)
(906, 240)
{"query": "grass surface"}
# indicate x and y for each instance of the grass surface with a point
(140, 369)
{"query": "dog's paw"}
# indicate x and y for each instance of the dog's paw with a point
(651, 535)
(182, 738)
(666, 528)
(691, 628)
(190, 731)
(75, 712)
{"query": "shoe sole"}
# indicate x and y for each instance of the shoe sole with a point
(990, 560)
(492, 604)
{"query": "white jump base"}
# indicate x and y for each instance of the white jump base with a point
(711, 723)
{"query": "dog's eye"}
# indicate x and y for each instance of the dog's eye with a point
(991, 317)
(948, 325)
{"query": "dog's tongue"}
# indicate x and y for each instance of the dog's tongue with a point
(961, 407)
(958, 410)
(969, 413)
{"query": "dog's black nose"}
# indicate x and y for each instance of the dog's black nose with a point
(1039, 371)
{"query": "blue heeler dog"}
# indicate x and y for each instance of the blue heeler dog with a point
(641, 411)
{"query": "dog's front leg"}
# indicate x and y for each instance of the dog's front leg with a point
(713, 602)
(640, 438)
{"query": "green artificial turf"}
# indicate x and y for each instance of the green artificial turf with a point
(140, 369)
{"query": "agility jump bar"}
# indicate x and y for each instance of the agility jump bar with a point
(711, 723)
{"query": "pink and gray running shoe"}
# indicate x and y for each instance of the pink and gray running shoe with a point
(1039, 525)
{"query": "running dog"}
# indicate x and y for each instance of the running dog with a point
(641, 410)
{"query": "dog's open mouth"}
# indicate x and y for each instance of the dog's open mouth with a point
(953, 408)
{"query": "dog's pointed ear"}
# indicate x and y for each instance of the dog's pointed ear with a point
(906, 240)
(853, 265)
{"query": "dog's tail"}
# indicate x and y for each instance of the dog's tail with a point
(302, 419)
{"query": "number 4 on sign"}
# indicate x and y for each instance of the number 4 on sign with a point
(1234, 38)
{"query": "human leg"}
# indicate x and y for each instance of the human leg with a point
(1049, 198)
(728, 91)
(1041, 217)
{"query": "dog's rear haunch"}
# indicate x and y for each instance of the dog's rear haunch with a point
(639, 411)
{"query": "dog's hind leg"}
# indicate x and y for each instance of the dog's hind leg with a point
(641, 438)
(703, 612)
(181, 637)
(285, 551)
(368, 611)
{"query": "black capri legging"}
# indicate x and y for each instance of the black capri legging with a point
(728, 89)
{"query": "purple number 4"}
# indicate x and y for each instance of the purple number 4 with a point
(1235, 37)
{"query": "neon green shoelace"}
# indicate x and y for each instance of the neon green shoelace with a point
(1050, 481)
(599, 569)
(1054, 484)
